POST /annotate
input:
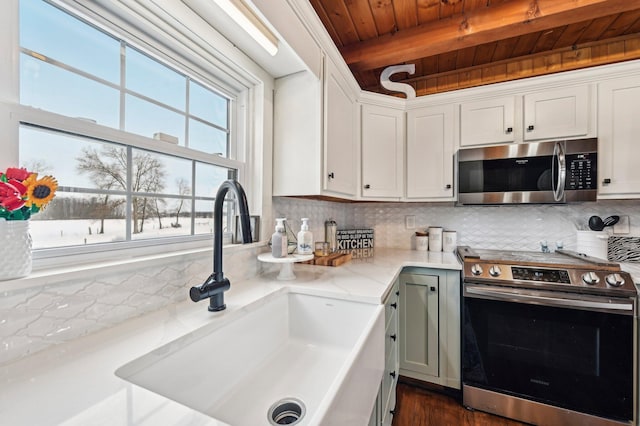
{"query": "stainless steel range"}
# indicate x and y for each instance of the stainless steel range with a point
(549, 338)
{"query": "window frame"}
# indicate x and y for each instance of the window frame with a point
(240, 87)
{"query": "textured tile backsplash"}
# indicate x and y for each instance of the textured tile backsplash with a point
(500, 227)
(36, 318)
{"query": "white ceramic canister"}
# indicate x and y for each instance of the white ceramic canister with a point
(422, 242)
(435, 238)
(592, 243)
(449, 241)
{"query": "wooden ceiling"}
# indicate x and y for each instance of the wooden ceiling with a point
(464, 43)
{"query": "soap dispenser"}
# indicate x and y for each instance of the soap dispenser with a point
(279, 240)
(305, 238)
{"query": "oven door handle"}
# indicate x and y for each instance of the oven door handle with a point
(547, 299)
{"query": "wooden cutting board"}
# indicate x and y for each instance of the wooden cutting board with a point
(334, 259)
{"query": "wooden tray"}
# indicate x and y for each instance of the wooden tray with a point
(334, 259)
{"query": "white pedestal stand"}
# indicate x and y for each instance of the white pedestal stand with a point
(286, 263)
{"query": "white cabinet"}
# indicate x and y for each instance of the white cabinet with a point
(382, 152)
(384, 409)
(618, 142)
(544, 114)
(487, 121)
(315, 149)
(557, 113)
(430, 326)
(429, 157)
(341, 143)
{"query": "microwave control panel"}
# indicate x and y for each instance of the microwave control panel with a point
(582, 172)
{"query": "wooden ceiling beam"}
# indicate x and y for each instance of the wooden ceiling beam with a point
(506, 20)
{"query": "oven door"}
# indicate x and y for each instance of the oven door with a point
(551, 348)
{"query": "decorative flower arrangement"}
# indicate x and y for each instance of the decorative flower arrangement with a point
(23, 194)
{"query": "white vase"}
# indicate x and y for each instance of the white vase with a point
(15, 249)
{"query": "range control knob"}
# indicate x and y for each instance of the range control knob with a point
(590, 278)
(615, 280)
(495, 271)
(476, 269)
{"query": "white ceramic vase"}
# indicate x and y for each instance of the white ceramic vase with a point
(15, 249)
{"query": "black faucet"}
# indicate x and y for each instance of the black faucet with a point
(215, 286)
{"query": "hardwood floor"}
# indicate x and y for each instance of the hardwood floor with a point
(416, 406)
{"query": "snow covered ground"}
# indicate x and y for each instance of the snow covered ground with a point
(60, 233)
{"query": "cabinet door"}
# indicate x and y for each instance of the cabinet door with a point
(618, 143)
(297, 142)
(419, 343)
(430, 152)
(341, 148)
(557, 113)
(382, 152)
(487, 121)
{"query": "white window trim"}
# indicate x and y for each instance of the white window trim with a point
(247, 84)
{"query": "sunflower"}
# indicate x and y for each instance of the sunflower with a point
(41, 191)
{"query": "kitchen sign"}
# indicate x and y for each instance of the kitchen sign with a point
(350, 239)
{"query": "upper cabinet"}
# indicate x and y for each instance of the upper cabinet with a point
(618, 130)
(341, 143)
(430, 149)
(382, 152)
(558, 113)
(487, 121)
(545, 114)
(315, 149)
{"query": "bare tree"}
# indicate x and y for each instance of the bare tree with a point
(107, 169)
(157, 210)
(183, 189)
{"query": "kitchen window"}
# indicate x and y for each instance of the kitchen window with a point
(137, 143)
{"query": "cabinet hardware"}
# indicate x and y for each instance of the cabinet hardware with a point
(394, 305)
(530, 128)
(509, 130)
(448, 186)
(367, 186)
(432, 288)
(393, 412)
(398, 293)
(606, 181)
(331, 176)
(393, 374)
(393, 337)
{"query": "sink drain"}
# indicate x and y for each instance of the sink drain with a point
(288, 411)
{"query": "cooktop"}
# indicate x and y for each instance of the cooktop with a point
(562, 270)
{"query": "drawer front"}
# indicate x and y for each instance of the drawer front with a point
(391, 306)
(390, 376)
(391, 337)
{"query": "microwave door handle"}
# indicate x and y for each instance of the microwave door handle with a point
(559, 157)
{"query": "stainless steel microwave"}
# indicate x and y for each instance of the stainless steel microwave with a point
(541, 172)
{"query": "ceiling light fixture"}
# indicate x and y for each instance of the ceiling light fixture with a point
(251, 23)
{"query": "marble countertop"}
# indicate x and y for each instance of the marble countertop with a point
(74, 383)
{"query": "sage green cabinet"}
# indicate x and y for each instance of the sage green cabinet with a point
(384, 409)
(430, 326)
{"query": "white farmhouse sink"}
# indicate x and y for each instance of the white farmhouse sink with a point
(327, 353)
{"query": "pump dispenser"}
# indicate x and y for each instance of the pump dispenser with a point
(305, 238)
(279, 239)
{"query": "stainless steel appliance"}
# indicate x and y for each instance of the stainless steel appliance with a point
(549, 338)
(542, 172)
